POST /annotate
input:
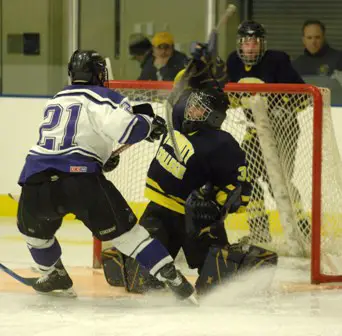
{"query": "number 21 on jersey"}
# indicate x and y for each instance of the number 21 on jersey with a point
(58, 130)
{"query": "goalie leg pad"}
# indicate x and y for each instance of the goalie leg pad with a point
(256, 257)
(222, 264)
(139, 280)
(122, 271)
(114, 267)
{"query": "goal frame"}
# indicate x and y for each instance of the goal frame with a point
(316, 276)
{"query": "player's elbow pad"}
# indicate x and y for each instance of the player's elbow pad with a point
(145, 109)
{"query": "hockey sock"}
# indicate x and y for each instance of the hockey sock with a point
(138, 244)
(154, 256)
(45, 252)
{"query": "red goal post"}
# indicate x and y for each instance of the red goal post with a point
(316, 164)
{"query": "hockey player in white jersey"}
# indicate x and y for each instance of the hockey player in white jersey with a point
(63, 174)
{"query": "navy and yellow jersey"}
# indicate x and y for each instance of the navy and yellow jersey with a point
(274, 67)
(209, 155)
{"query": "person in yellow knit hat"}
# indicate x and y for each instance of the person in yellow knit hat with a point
(165, 61)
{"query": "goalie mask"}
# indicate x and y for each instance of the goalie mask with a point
(204, 109)
(87, 67)
(251, 42)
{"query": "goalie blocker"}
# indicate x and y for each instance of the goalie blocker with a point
(204, 220)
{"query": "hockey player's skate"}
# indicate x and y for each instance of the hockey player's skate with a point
(56, 282)
(177, 282)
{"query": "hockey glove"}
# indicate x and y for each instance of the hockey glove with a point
(111, 163)
(199, 52)
(145, 109)
(158, 129)
(203, 217)
(206, 74)
(231, 200)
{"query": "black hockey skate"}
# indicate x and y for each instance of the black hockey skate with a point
(177, 282)
(56, 282)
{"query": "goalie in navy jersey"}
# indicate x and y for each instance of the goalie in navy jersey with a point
(63, 173)
(253, 63)
(190, 198)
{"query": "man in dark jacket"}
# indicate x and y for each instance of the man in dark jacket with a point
(318, 57)
(140, 48)
(165, 62)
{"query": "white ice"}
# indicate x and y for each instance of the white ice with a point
(243, 308)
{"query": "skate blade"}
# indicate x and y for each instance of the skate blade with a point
(70, 293)
(193, 300)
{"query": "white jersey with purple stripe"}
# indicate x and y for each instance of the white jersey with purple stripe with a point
(80, 127)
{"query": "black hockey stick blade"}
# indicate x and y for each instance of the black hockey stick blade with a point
(25, 281)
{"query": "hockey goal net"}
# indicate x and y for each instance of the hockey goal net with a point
(293, 159)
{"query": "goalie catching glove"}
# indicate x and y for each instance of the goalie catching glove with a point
(204, 216)
(210, 69)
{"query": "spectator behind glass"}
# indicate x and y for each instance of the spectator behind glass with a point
(166, 62)
(140, 48)
(318, 58)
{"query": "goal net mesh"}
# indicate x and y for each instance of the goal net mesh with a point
(294, 120)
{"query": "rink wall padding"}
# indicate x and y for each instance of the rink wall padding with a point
(238, 222)
(8, 208)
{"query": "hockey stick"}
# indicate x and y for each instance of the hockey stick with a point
(13, 197)
(179, 88)
(25, 281)
(189, 70)
(121, 149)
(234, 196)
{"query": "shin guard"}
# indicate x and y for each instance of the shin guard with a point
(222, 264)
(122, 271)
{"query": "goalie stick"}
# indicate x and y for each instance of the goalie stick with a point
(189, 70)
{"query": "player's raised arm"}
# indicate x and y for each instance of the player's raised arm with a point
(129, 124)
(110, 113)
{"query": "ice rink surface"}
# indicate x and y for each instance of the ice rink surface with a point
(254, 306)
